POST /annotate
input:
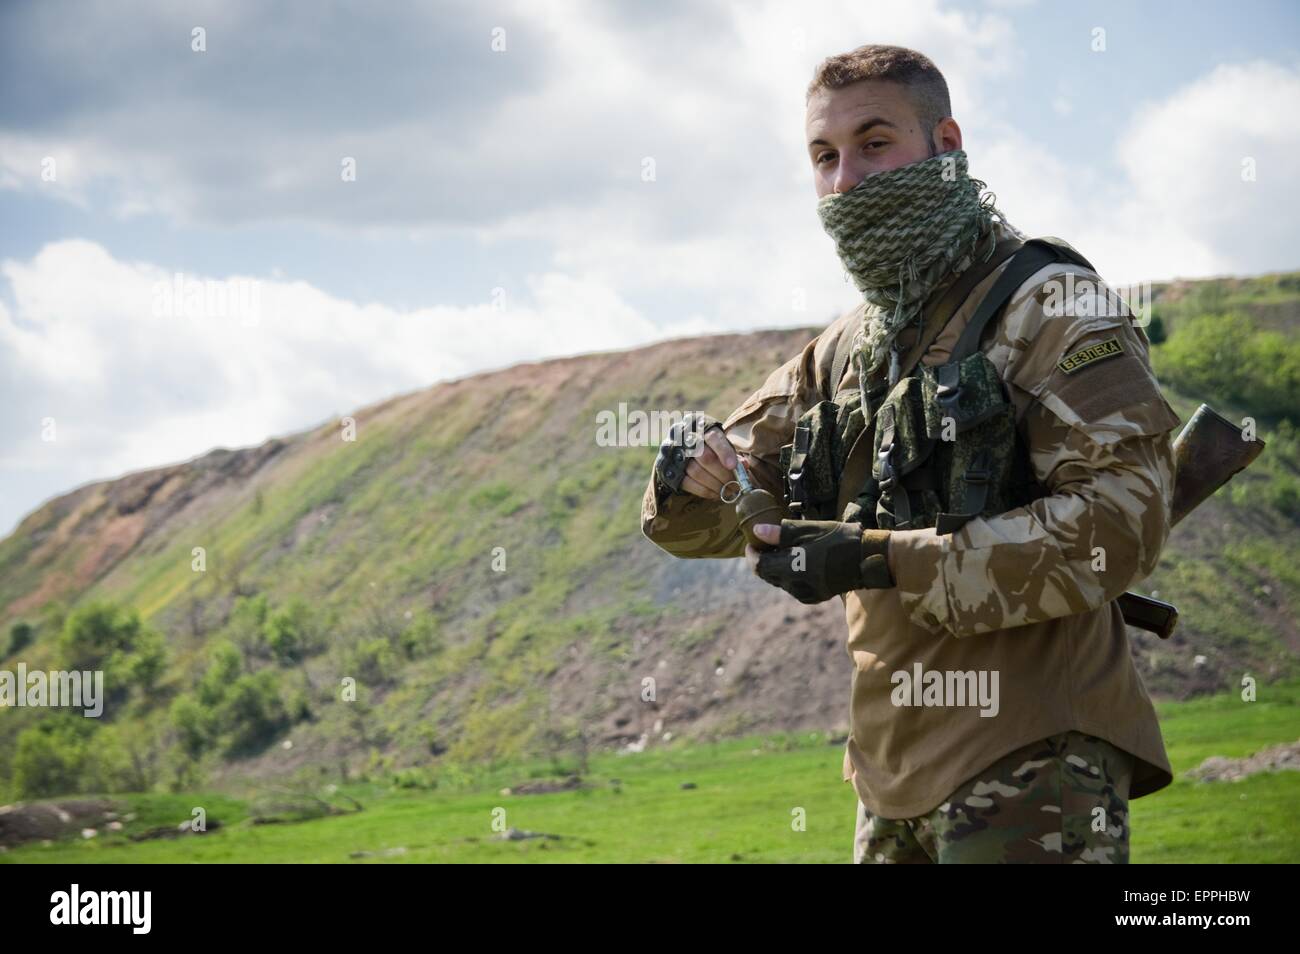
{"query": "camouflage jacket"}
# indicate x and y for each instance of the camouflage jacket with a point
(1026, 597)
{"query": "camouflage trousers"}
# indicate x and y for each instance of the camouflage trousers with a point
(1061, 800)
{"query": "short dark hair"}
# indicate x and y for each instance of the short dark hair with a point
(914, 71)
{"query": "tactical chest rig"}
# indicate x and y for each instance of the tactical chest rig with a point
(943, 442)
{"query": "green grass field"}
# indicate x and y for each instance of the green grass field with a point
(739, 810)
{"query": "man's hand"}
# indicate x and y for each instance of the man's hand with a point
(697, 458)
(712, 468)
(815, 560)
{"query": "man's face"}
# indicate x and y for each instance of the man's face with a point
(868, 127)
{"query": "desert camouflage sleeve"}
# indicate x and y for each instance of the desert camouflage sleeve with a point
(689, 526)
(1097, 428)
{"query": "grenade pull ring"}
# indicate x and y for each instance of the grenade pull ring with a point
(742, 484)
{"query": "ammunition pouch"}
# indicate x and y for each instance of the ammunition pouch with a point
(947, 449)
(945, 442)
(813, 462)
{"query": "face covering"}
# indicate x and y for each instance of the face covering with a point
(899, 234)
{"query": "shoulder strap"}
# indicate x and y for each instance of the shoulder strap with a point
(946, 304)
(1033, 255)
(1027, 258)
(858, 462)
(1065, 250)
(843, 350)
(953, 299)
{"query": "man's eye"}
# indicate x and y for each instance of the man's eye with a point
(878, 142)
(823, 156)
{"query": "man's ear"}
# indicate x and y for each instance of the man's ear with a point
(947, 135)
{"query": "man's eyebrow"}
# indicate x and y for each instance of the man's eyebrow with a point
(873, 121)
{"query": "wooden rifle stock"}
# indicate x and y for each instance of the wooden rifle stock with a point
(1208, 452)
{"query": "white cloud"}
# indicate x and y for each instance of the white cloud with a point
(543, 144)
(731, 212)
(1190, 211)
(1179, 207)
(129, 388)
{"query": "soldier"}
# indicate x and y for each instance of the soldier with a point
(984, 485)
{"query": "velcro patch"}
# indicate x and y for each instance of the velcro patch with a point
(1086, 356)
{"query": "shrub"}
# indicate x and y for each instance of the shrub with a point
(98, 634)
(225, 663)
(50, 758)
(102, 636)
(1156, 330)
(372, 661)
(20, 637)
(252, 713)
(290, 632)
(194, 724)
(1229, 359)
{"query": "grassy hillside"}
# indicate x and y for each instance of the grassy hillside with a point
(470, 567)
(635, 808)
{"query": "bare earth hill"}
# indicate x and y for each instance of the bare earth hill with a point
(473, 561)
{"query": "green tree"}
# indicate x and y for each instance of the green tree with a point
(112, 639)
(1228, 358)
(51, 757)
(20, 637)
(195, 725)
(1156, 330)
(98, 634)
(247, 625)
(225, 664)
(252, 712)
(291, 632)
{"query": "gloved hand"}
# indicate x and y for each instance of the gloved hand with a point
(816, 560)
(691, 439)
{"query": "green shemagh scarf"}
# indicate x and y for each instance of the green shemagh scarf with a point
(900, 233)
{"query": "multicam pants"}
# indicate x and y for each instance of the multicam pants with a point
(1061, 800)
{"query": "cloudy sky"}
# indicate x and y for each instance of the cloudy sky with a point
(388, 195)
